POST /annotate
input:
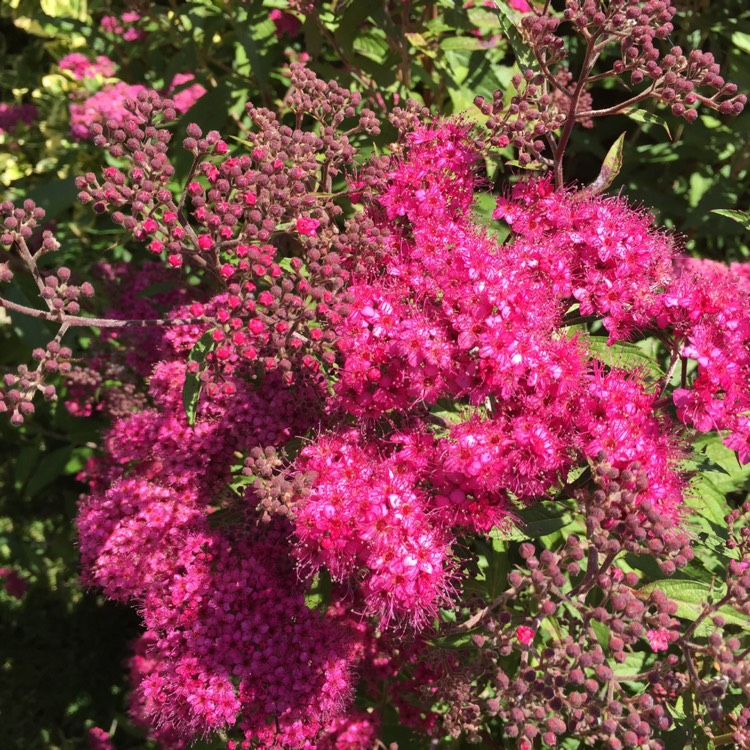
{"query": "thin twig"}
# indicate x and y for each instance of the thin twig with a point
(588, 63)
(72, 321)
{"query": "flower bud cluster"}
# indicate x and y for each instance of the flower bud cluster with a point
(272, 315)
(550, 97)
(106, 106)
(531, 114)
(620, 516)
(19, 224)
(274, 490)
(61, 296)
(581, 631)
(674, 77)
(17, 397)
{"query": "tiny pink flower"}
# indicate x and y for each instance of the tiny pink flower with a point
(98, 739)
(307, 226)
(525, 635)
(658, 639)
(205, 242)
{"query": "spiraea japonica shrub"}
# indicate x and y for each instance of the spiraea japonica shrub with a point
(376, 459)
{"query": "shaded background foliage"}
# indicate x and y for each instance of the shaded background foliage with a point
(61, 648)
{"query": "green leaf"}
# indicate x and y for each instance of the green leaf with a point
(319, 596)
(457, 640)
(24, 464)
(65, 9)
(55, 196)
(507, 18)
(721, 466)
(611, 167)
(708, 501)
(623, 355)
(741, 41)
(191, 390)
(641, 115)
(539, 521)
(373, 44)
(692, 597)
(496, 563)
(50, 468)
(461, 42)
(741, 217)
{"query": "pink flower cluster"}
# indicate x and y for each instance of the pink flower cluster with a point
(708, 306)
(435, 374)
(454, 317)
(13, 114)
(15, 585)
(366, 517)
(356, 731)
(81, 67)
(98, 739)
(126, 26)
(229, 631)
(286, 24)
(184, 96)
(106, 107)
(597, 252)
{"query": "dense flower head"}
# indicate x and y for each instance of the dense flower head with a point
(618, 417)
(437, 179)
(521, 454)
(286, 24)
(286, 669)
(98, 739)
(357, 730)
(366, 517)
(708, 306)
(598, 252)
(192, 581)
(14, 583)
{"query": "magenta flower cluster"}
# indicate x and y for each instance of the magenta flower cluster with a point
(106, 106)
(11, 115)
(342, 410)
(81, 67)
